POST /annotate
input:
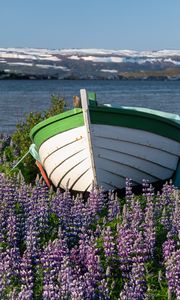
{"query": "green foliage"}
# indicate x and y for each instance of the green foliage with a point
(38, 284)
(52, 233)
(57, 106)
(21, 140)
(156, 281)
(8, 151)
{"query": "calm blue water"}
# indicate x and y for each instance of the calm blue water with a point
(20, 97)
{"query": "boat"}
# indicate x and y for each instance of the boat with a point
(102, 145)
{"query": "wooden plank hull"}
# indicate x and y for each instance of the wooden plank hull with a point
(118, 153)
(102, 145)
(66, 159)
(127, 152)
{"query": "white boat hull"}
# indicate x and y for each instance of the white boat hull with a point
(103, 146)
(118, 152)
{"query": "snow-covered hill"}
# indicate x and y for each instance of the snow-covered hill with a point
(86, 63)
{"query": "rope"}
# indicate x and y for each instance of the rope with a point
(20, 160)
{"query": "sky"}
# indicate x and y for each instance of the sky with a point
(105, 24)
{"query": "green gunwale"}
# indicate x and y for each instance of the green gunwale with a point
(151, 121)
(138, 119)
(56, 124)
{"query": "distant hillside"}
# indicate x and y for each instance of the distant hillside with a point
(19, 63)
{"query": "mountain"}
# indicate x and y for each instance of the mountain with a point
(29, 63)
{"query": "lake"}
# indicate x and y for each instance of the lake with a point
(18, 97)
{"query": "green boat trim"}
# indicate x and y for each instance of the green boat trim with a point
(138, 119)
(55, 125)
(167, 115)
(158, 122)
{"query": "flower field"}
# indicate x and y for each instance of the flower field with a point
(55, 246)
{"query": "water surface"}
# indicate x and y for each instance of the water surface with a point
(18, 97)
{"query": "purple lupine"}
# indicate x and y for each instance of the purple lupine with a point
(77, 287)
(125, 241)
(170, 210)
(26, 274)
(92, 261)
(83, 244)
(168, 193)
(68, 203)
(12, 262)
(61, 205)
(51, 291)
(149, 224)
(65, 277)
(32, 239)
(23, 211)
(104, 293)
(176, 214)
(9, 268)
(79, 214)
(89, 286)
(126, 216)
(96, 201)
(57, 204)
(10, 194)
(78, 267)
(169, 247)
(12, 229)
(165, 219)
(135, 288)
(140, 249)
(51, 260)
(158, 205)
(137, 215)
(3, 223)
(72, 283)
(93, 202)
(129, 193)
(172, 265)
(42, 209)
(76, 220)
(113, 207)
(108, 243)
(89, 258)
(25, 294)
(101, 199)
(2, 281)
(97, 232)
(5, 272)
(145, 186)
(26, 271)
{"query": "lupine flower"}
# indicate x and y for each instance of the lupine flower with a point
(149, 224)
(169, 247)
(51, 238)
(129, 193)
(104, 293)
(113, 207)
(125, 241)
(176, 214)
(137, 215)
(26, 275)
(173, 273)
(108, 242)
(136, 287)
